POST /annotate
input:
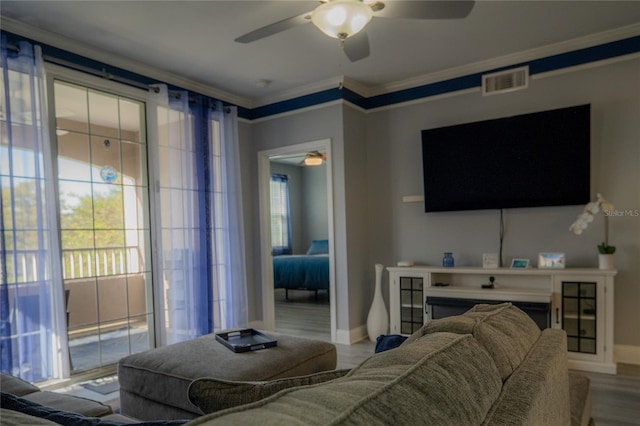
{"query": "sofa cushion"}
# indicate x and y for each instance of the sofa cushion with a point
(537, 393)
(504, 330)
(443, 379)
(71, 403)
(210, 395)
(15, 385)
(46, 415)
(10, 418)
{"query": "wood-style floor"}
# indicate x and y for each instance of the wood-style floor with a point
(304, 315)
(616, 398)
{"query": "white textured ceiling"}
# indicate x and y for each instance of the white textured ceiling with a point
(195, 40)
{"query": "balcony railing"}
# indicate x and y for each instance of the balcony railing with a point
(24, 266)
(84, 263)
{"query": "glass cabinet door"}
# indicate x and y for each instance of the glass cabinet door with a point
(411, 300)
(579, 316)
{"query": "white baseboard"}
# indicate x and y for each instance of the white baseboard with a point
(627, 354)
(349, 337)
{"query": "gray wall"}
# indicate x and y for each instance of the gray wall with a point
(315, 221)
(394, 149)
(377, 160)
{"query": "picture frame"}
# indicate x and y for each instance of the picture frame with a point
(519, 263)
(490, 260)
(551, 261)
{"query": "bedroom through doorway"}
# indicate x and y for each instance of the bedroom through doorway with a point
(297, 262)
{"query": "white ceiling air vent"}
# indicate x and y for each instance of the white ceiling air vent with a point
(505, 81)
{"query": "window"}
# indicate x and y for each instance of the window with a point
(280, 215)
(97, 284)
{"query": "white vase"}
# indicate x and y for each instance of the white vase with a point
(605, 261)
(378, 319)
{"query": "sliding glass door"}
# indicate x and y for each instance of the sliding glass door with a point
(103, 202)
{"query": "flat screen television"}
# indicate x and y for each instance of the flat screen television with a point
(531, 160)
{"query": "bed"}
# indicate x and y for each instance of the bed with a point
(303, 271)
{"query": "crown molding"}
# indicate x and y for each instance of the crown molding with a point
(297, 92)
(83, 49)
(79, 48)
(461, 71)
(508, 60)
(298, 111)
(310, 89)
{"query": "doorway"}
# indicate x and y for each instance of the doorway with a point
(294, 153)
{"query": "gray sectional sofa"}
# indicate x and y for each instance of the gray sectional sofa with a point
(489, 366)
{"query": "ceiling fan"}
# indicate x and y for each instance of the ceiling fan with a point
(346, 19)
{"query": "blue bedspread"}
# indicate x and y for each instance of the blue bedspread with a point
(301, 271)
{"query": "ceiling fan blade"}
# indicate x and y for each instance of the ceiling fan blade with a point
(425, 9)
(274, 28)
(357, 47)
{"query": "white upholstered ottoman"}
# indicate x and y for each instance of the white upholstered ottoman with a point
(154, 384)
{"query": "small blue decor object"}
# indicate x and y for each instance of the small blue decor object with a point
(447, 260)
(108, 174)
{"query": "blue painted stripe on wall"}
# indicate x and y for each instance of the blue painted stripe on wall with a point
(586, 55)
(312, 99)
(354, 98)
(426, 91)
(551, 63)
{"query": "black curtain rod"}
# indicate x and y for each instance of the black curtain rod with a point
(103, 73)
(106, 75)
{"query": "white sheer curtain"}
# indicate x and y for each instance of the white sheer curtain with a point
(172, 154)
(229, 269)
(199, 251)
(32, 325)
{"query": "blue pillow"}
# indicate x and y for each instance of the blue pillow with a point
(385, 342)
(66, 418)
(318, 247)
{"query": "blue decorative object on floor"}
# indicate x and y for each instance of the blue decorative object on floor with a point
(384, 342)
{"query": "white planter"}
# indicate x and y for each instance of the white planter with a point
(378, 318)
(605, 261)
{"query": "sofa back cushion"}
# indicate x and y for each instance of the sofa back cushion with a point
(537, 393)
(505, 331)
(15, 385)
(443, 379)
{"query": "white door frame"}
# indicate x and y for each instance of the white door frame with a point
(264, 179)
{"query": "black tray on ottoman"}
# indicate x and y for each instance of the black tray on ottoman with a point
(246, 340)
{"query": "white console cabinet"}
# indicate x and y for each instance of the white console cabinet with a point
(580, 301)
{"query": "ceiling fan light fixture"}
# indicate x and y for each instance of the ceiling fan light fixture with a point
(341, 19)
(313, 159)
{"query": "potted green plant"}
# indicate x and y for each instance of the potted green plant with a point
(606, 251)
